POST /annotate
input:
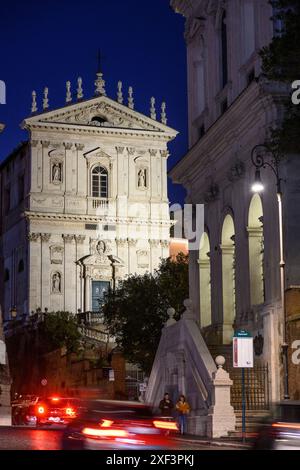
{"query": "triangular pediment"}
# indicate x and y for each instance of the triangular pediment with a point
(98, 113)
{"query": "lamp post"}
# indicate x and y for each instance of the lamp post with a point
(258, 160)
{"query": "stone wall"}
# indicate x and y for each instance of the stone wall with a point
(293, 339)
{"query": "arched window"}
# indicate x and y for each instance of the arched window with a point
(256, 251)
(21, 266)
(228, 277)
(205, 281)
(224, 49)
(6, 275)
(99, 182)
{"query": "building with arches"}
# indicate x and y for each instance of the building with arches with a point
(84, 202)
(235, 276)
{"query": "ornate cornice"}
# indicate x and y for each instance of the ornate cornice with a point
(95, 219)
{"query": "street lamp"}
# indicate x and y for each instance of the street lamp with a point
(259, 162)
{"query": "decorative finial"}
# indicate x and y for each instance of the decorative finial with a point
(100, 85)
(33, 105)
(69, 94)
(130, 98)
(163, 113)
(79, 89)
(99, 82)
(152, 109)
(45, 99)
(120, 93)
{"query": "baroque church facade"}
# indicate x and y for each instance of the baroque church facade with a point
(84, 202)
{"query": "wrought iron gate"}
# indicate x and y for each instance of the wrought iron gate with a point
(256, 387)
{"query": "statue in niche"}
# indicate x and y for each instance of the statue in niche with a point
(56, 173)
(101, 248)
(56, 283)
(142, 178)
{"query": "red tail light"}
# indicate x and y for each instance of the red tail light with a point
(93, 432)
(286, 426)
(41, 410)
(106, 423)
(71, 412)
(168, 425)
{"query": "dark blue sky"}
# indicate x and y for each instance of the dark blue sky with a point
(46, 43)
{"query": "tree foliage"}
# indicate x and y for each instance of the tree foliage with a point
(61, 329)
(281, 62)
(136, 312)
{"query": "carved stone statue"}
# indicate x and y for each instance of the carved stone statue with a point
(56, 283)
(101, 247)
(142, 178)
(56, 173)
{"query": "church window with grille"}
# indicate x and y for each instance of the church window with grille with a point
(99, 182)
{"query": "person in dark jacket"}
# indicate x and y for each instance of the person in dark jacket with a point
(166, 405)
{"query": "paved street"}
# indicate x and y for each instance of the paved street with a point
(20, 438)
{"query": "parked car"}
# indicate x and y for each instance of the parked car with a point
(55, 410)
(22, 407)
(109, 424)
(282, 430)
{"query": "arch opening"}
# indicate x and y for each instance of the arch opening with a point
(256, 251)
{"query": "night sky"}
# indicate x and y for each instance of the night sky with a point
(46, 43)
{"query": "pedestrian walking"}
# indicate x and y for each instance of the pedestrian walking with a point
(183, 409)
(166, 405)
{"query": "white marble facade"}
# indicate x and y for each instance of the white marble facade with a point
(95, 205)
(234, 276)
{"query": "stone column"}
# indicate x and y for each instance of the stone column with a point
(165, 248)
(81, 187)
(5, 381)
(45, 271)
(68, 167)
(34, 254)
(154, 253)
(69, 284)
(221, 417)
(132, 262)
(79, 239)
(87, 289)
(44, 166)
(228, 279)
(205, 292)
(35, 165)
(164, 190)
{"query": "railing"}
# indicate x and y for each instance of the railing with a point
(94, 334)
(100, 203)
(256, 388)
(89, 318)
